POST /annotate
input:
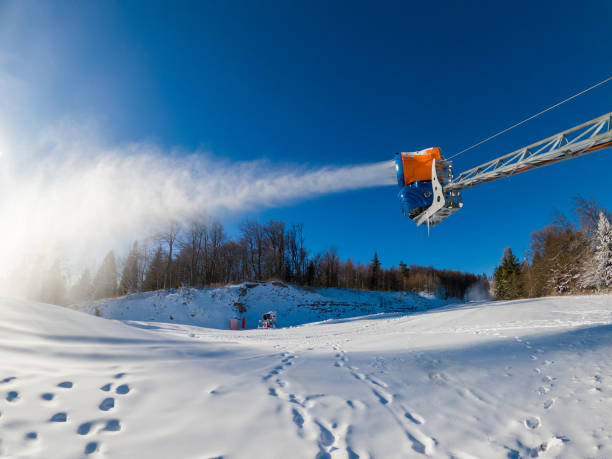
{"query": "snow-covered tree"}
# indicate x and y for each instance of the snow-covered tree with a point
(598, 268)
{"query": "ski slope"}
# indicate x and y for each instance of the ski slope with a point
(528, 378)
(213, 307)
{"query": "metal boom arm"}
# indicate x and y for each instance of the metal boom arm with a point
(580, 140)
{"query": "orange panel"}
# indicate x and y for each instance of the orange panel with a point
(417, 165)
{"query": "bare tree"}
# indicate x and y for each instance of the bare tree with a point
(253, 239)
(168, 236)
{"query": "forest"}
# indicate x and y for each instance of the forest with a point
(200, 254)
(564, 257)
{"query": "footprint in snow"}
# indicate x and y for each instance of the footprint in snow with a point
(326, 438)
(298, 419)
(59, 417)
(294, 399)
(356, 404)
(542, 390)
(85, 428)
(106, 387)
(66, 385)
(382, 397)
(122, 389)
(548, 403)
(414, 417)
(31, 436)
(91, 447)
(7, 380)
(113, 425)
(351, 454)
(107, 404)
(377, 381)
(532, 422)
(12, 396)
(47, 396)
(119, 375)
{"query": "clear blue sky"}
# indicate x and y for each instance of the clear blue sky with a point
(336, 83)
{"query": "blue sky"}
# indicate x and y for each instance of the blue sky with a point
(333, 83)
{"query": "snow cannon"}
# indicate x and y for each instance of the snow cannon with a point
(421, 176)
(268, 320)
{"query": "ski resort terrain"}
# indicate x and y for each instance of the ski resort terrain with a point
(525, 378)
(213, 307)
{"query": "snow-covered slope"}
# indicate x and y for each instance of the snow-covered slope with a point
(214, 307)
(512, 379)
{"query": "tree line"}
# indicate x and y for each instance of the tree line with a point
(565, 257)
(200, 254)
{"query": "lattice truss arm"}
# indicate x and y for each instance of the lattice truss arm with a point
(580, 140)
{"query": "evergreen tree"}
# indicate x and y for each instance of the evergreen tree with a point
(603, 252)
(311, 273)
(83, 290)
(405, 273)
(508, 282)
(129, 276)
(374, 272)
(105, 282)
(154, 278)
(53, 289)
(598, 267)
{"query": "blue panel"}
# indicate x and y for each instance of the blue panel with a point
(414, 197)
(399, 168)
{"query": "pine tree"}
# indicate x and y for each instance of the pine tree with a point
(405, 273)
(105, 282)
(374, 272)
(83, 290)
(129, 276)
(154, 278)
(53, 289)
(508, 282)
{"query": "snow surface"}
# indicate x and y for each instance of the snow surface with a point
(214, 307)
(529, 378)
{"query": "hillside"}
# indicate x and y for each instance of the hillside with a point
(528, 378)
(213, 307)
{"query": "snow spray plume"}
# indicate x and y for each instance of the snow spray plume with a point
(80, 201)
(478, 291)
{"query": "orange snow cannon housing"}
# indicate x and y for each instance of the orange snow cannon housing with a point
(416, 166)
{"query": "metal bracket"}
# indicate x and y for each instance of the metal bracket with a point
(438, 197)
